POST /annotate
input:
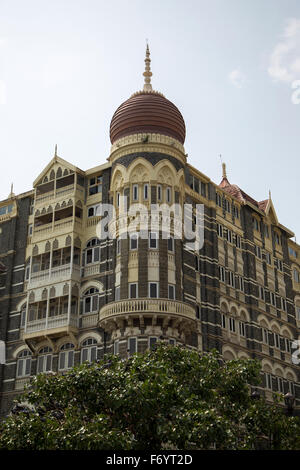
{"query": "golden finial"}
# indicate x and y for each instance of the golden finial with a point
(147, 74)
(269, 194)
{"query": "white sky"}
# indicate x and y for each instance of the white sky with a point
(229, 66)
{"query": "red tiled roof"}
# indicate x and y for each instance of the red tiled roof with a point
(239, 194)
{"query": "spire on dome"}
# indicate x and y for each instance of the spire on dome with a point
(147, 74)
(224, 181)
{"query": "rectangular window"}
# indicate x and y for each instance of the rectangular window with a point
(266, 231)
(172, 342)
(283, 304)
(218, 199)
(265, 335)
(153, 240)
(276, 340)
(261, 293)
(135, 192)
(231, 279)
(222, 273)
(227, 205)
(229, 236)
(256, 224)
(223, 320)
(238, 241)
(133, 290)
(171, 244)
(132, 346)
(171, 291)
(232, 324)
(292, 252)
(242, 328)
(159, 192)
(220, 230)
(152, 342)
(118, 199)
(95, 185)
(287, 344)
(268, 381)
(268, 258)
(273, 299)
(241, 284)
(153, 290)
(258, 251)
(168, 195)
(146, 191)
(134, 241)
(118, 246)
(116, 347)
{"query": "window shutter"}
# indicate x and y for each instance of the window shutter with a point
(96, 254)
(40, 362)
(20, 368)
(132, 345)
(94, 353)
(84, 356)
(48, 362)
(95, 303)
(70, 359)
(28, 366)
(62, 360)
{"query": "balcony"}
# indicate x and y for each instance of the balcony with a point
(56, 326)
(57, 274)
(170, 312)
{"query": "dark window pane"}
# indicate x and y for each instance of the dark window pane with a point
(132, 345)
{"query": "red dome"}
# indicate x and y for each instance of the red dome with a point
(147, 112)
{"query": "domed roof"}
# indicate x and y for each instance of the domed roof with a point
(147, 111)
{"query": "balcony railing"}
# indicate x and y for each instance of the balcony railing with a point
(51, 323)
(144, 306)
(57, 274)
(58, 226)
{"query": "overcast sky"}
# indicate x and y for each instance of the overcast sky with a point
(229, 65)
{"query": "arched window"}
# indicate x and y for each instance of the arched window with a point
(89, 350)
(44, 362)
(92, 252)
(24, 363)
(91, 300)
(66, 356)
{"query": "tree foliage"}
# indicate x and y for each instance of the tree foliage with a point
(168, 398)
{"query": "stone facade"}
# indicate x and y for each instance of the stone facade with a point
(68, 294)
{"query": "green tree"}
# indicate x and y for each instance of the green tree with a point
(168, 398)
